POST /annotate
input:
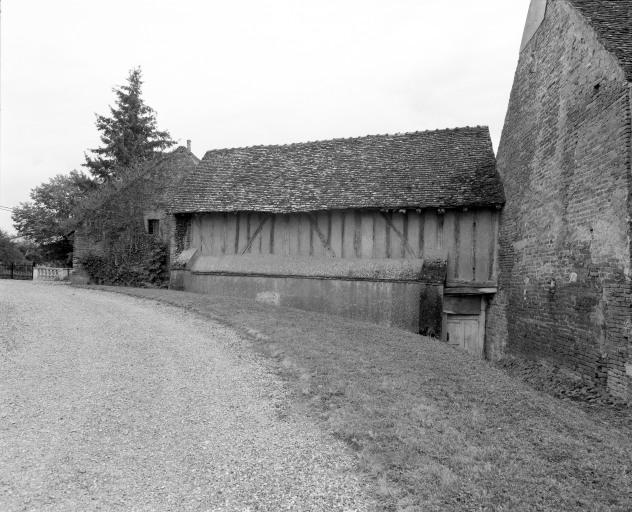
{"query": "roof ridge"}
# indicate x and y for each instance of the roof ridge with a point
(336, 139)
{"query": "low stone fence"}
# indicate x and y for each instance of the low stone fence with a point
(51, 274)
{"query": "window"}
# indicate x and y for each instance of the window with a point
(153, 226)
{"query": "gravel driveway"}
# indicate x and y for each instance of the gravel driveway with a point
(113, 403)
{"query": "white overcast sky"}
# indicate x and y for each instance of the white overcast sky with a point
(228, 73)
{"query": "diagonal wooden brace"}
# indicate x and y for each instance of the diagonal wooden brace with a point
(323, 238)
(255, 234)
(407, 246)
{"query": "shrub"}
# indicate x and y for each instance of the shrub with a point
(147, 266)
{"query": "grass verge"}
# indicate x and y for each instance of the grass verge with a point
(434, 429)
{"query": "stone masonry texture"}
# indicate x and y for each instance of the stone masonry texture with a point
(564, 158)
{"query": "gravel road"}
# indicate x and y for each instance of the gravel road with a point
(109, 402)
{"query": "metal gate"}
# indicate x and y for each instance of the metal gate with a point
(16, 271)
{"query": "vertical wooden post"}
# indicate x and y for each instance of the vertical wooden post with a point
(357, 215)
(474, 243)
(387, 229)
(237, 233)
(272, 222)
(481, 327)
(405, 244)
(422, 235)
(457, 245)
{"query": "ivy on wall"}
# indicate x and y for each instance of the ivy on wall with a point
(121, 251)
(147, 266)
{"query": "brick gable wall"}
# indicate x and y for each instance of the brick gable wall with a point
(564, 158)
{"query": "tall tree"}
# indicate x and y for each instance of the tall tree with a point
(129, 135)
(48, 218)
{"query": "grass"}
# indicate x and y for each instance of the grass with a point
(432, 428)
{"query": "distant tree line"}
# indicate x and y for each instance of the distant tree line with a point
(10, 250)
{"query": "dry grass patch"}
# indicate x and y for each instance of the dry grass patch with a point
(434, 429)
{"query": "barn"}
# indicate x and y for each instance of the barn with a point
(394, 229)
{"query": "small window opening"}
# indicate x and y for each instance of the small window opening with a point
(153, 226)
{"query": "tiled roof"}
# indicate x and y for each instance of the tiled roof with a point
(173, 166)
(166, 173)
(612, 20)
(443, 168)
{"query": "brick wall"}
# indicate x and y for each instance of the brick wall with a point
(564, 157)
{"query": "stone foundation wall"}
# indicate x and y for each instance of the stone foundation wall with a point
(393, 304)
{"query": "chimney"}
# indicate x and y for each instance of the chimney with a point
(189, 145)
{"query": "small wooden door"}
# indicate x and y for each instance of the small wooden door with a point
(464, 332)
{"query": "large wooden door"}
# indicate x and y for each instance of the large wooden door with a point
(464, 332)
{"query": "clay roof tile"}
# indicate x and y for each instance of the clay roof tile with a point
(442, 168)
(612, 21)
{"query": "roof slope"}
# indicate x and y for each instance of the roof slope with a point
(164, 174)
(612, 20)
(444, 168)
(154, 179)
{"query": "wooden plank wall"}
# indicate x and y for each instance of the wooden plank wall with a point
(467, 237)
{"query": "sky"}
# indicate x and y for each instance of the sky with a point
(246, 72)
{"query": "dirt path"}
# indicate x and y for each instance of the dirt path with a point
(111, 403)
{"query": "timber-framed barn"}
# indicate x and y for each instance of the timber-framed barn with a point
(394, 229)
(526, 255)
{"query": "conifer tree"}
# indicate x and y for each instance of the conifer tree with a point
(129, 135)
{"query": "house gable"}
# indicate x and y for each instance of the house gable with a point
(564, 159)
(612, 22)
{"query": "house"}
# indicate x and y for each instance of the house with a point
(565, 161)
(143, 196)
(394, 229)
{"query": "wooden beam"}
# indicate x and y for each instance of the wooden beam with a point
(236, 232)
(256, 233)
(387, 232)
(407, 248)
(469, 290)
(453, 283)
(357, 233)
(323, 239)
(272, 222)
